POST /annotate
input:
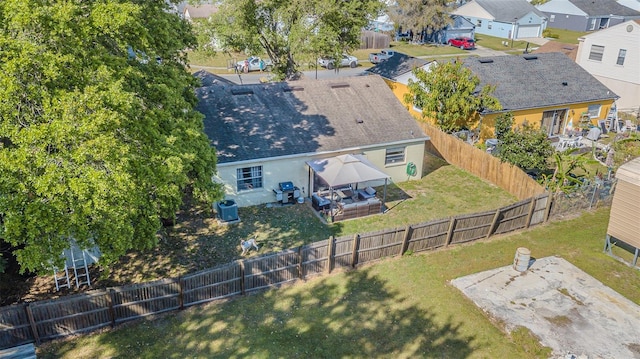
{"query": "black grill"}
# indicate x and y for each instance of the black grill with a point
(286, 186)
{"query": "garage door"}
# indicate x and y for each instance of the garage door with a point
(528, 31)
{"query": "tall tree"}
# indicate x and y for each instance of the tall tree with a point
(420, 14)
(291, 30)
(451, 95)
(99, 138)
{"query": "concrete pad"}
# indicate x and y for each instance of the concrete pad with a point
(568, 310)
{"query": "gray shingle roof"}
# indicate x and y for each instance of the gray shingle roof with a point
(508, 10)
(551, 79)
(249, 122)
(397, 65)
(603, 7)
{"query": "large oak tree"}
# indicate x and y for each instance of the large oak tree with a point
(99, 138)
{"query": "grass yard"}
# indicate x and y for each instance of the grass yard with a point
(496, 43)
(398, 308)
(567, 36)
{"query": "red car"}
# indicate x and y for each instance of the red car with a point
(463, 43)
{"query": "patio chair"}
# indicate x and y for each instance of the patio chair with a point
(629, 126)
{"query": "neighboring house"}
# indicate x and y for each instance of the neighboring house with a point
(586, 15)
(504, 18)
(613, 56)
(545, 90)
(459, 27)
(397, 71)
(204, 11)
(570, 50)
(264, 133)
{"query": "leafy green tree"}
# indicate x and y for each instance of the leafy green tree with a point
(420, 14)
(450, 94)
(524, 146)
(99, 138)
(565, 163)
(291, 30)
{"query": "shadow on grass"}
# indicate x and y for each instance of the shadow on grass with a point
(351, 315)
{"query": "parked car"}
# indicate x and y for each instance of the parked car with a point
(464, 43)
(254, 63)
(345, 60)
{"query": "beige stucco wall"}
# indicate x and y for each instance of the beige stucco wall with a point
(295, 169)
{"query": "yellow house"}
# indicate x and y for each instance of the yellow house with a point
(547, 90)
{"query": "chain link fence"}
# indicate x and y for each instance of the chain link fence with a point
(590, 195)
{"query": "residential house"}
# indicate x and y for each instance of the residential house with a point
(586, 15)
(546, 90)
(504, 18)
(264, 134)
(459, 27)
(203, 11)
(613, 56)
(396, 72)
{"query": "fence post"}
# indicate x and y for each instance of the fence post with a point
(32, 323)
(547, 210)
(112, 312)
(452, 225)
(354, 254)
(242, 278)
(330, 254)
(181, 293)
(300, 262)
(405, 241)
(532, 207)
(494, 223)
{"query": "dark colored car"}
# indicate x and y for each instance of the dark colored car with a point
(463, 43)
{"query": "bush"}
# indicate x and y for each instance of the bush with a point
(550, 35)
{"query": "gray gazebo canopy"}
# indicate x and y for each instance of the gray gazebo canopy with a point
(347, 169)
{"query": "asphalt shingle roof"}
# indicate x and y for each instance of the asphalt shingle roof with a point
(397, 65)
(254, 121)
(604, 7)
(508, 10)
(545, 80)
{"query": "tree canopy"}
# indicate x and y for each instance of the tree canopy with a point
(99, 138)
(420, 14)
(450, 94)
(289, 31)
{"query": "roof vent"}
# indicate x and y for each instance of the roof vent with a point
(530, 57)
(564, 83)
(485, 61)
(359, 120)
(339, 85)
(241, 91)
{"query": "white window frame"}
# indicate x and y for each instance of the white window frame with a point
(478, 23)
(249, 178)
(596, 53)
(594, 110)
(622, 53)
(395, 155)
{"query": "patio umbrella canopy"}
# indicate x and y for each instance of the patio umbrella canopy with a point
(346, 169)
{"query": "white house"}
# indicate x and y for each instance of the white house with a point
(613, 57)
(504, 18)
(265, 134)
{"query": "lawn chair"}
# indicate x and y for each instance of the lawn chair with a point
(629, 126)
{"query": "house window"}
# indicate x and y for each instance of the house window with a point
(489, 26)
(594, 110)
(552, 18)
(479, 23)
(394, 155)
(417, 104)
(621, 55)
(596, 52)
(249, 178)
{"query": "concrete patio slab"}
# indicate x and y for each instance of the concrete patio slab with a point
(568, 310)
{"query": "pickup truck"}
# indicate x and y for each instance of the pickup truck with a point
(375, 58)
(254, 63)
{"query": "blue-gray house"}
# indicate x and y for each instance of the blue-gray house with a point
(586, 15)
(504, 18)
(459, 27)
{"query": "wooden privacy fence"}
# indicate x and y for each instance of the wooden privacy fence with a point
(46, 320)
(480, 163)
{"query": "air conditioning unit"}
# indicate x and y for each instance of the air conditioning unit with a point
(227, 210)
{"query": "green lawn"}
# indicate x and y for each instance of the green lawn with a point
(398, 308)
(497, 43)
(567, 36)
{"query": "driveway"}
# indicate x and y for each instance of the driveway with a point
(568, 310)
